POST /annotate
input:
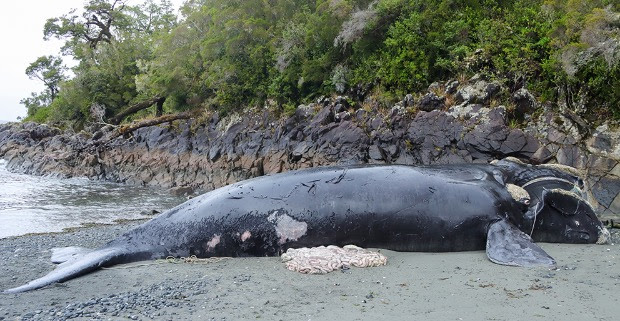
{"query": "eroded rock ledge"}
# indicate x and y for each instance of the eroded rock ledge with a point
(202, 155)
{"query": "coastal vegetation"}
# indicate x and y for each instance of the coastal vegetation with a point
(138, 59)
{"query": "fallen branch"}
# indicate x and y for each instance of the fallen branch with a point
(127, 129)
(137, 107)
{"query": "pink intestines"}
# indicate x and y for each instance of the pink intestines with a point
(246, 235)
(214, 241)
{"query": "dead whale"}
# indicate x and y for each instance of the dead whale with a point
(396, 207)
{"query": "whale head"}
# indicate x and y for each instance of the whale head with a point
(559, 211)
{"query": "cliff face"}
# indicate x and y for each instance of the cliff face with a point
(203, 155)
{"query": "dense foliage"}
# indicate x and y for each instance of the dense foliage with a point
(231, 54)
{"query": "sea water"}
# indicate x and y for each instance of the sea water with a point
(39, 204)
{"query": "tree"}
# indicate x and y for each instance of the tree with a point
(109, 39)
(50, 71)
(150, 17)
(96, 24)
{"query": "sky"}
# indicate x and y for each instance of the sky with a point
(21, 35)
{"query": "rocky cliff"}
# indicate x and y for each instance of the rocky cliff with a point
(450, 124)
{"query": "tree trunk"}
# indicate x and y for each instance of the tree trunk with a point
(160, 107)
(126, 129)
(135, 108)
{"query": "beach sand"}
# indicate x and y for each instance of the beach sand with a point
(412, 286)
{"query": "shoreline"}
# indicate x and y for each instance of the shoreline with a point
(85, 225)
(446, 286)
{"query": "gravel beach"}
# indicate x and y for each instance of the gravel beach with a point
(413, 286)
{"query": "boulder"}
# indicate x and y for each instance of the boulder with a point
(524, 101)
(451, 87)
(479, 93)
(431, 102)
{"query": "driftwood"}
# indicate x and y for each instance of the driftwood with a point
(137, 107)
(127, 129)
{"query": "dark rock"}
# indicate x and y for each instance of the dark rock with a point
(408, 101)
(606, 190)
(215, 119)
(342, 101)
(214, 153)
(376, 123)
(571, 156)
(97, 135)
(431, 102)
(339, 108)
(396, 111)
(497, 116)
(556, 136)
(360, 115)
(299, 151)
(542, 155)
(524, 102)
(393, 150)
(374, 152)
(491, 90)
(519, 144)
(435, 86)
(182, 191)
(43, 131)
(303, 111)
(600, 142)
(345, 115)
(451, 87)
(323, 117)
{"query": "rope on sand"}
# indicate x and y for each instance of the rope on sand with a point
(171, 259)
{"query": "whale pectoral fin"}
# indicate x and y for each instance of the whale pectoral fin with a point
(507, 245)
(66, 254)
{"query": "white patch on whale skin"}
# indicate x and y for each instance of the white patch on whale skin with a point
(245, 236)
(288, 228)
(272, 218)
(215, 240)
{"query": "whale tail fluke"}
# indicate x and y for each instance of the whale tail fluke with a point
(70, 269)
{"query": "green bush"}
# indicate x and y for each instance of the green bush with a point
(42, 115)
(600, 84)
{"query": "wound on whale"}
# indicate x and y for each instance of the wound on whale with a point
(503, 208)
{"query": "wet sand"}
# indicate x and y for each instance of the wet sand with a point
(413, 286)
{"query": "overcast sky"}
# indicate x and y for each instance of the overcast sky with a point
(21, 35)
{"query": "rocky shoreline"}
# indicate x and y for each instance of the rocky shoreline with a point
(451, 123)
